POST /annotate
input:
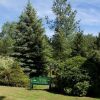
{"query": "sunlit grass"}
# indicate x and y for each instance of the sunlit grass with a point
(13, 93)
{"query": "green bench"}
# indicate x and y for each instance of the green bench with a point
(40, 81)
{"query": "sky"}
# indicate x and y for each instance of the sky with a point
(88, 12)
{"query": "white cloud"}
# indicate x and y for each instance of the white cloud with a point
(88, 11)
(89, 17)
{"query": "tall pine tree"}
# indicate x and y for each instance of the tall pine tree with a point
(65, 17)
(31, 46)
(64, 25)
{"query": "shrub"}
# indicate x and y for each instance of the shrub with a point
(68, 90)
(81, 88)
(6, 62)
(74, 77)
(95, 74)
(11, 73)
(17, 77)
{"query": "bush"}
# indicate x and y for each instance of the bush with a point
(95, 74)
(68, 90)
(6, 62)
(17, 77)
(11, 73)
(81, 88)
(74, 77)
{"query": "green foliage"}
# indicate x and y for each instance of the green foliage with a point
(11, 73)
(95, 74)
(78, 46)
(61, 50)
(65, 17)
(6, 62)
(68, 91)
(31, 47)
(5, 46)
(17, 77)
(64, 25)
(8, 30)
(72, 75)
(89, 45)
(7, 38)
(81, 88)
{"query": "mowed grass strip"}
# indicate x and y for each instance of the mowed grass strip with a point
(13, 93)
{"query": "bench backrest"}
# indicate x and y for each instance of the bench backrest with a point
(40, 80)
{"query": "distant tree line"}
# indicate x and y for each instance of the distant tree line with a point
(73, 56)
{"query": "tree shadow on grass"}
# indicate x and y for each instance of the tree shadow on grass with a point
(2, 97)
(61, 93)
(54, 91)
(95, 97)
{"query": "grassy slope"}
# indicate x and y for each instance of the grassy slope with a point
(12, 93)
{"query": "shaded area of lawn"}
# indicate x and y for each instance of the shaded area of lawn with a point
(13, 93)
(2, 97)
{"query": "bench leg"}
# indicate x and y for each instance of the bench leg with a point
(50, 87)
(31, 86)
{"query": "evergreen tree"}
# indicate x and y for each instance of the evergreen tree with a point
(89, 45)
(31, 46)
(59, 43)
(78, 47)
(65, 17)
(5, 46)
(8, 30)
(7, 38)
(64, 25)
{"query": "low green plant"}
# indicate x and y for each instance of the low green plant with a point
(11, 73)
(81, 88)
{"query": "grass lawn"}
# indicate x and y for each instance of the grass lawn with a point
(13, 93)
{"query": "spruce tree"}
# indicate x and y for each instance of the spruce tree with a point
(31, 47)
